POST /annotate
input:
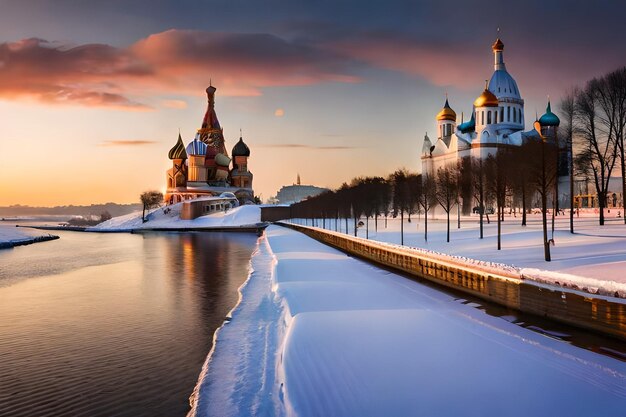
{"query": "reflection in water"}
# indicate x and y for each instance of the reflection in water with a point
(119, 331)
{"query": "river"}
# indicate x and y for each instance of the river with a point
(113, 324)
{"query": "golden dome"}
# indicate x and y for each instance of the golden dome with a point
(498, 45)
(486, 99)
(446, 113)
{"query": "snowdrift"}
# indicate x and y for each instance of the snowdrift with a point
(168, 217)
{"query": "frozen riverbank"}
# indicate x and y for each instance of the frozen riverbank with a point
(11, 236)
(320, 333)
(169, 218)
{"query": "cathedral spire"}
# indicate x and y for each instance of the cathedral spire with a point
(210, 118)
(497, 48)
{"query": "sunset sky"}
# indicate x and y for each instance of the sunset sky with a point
(93, 94)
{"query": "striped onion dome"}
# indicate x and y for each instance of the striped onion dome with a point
(178, 151)
(196, 147)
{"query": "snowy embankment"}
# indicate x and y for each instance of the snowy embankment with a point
(11, 236)
(319, 333)
(592, 260)
(168, 217)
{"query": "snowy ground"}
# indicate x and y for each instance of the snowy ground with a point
(593, 251)
(318, 333)
(169, 217)
(11, 235)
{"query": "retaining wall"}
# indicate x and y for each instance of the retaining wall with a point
(602, 314)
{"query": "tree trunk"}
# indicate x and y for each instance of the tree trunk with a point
(544, 204)
(523, 205)
(401, 227)
(355, 220)
(143, 215)
(376, 223)
(499, 210)
(448, 228)
(367, 227)
(571, 184)
(425, 225)
(601, 201)
(623, 187)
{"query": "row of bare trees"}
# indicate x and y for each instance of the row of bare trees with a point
(507, 179)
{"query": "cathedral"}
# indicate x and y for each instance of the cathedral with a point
(497, 120)
(203, 167)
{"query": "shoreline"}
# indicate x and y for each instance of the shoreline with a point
(28, 241)
(248, 228)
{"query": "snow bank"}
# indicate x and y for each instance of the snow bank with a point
(168, 217)
(319, 333)
(588, 285)
(11, 236)
(238, 377)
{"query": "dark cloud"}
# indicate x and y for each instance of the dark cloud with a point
(549, 46)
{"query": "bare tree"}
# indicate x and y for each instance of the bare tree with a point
(150, 199)
(566, 131)
(599, 148)
(427, 199)
(446, 192)
(400, 198)
(611, 97)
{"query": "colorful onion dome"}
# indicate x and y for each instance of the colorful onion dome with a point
(446, 113)
(196, 147)
(468, 126)
(178, 151)
(240, 149)
(549, 118)
(486, 99)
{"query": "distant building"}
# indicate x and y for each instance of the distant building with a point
(290, 194)
(586, 195)
(202, 168)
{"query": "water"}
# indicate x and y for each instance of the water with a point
(113, 324)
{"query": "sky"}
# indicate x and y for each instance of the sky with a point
(94, 94)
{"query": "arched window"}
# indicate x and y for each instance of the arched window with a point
(495, 117)
(519, 115)
(501, 114)
(514, 116)
(489, 117)
(508, 113)
(482, 117)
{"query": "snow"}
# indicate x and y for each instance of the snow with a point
(11, 235)
(320, 333)
(169, 218)
(593, 259)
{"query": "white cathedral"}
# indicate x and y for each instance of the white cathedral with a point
(497, 120)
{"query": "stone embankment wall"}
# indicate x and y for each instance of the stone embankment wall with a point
(602, 314)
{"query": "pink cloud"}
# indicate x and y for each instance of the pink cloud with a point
(179, 61)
